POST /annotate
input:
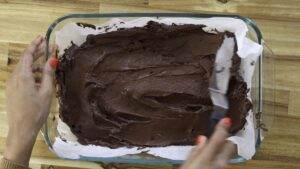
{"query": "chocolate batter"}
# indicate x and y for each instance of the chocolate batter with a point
(143, 86)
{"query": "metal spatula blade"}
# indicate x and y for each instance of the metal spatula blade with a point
(219, 100)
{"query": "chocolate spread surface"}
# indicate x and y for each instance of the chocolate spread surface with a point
(144, 86)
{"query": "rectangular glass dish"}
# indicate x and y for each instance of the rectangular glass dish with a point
(49, 130)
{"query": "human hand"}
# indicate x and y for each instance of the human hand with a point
(214, 153)
(28, 101)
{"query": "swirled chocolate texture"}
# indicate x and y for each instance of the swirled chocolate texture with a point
(143, 86)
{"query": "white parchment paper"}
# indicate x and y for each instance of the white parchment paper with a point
(247, 50)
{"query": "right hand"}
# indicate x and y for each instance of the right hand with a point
(214, 153)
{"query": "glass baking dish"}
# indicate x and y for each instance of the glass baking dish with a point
(264, 70)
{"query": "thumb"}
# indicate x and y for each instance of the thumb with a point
(218, 139)
(46, 88)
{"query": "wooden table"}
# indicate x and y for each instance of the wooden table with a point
(21, 21)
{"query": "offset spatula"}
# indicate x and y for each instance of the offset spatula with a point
(219, 100)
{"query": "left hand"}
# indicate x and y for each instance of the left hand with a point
(28, 102)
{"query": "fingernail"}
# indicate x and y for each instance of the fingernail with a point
(53, 63)
(226, 121)
(200, 139)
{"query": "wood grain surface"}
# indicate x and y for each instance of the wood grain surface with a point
(279, 20)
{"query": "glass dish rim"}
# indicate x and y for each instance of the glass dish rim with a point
(247, 21)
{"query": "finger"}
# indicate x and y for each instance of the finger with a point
(218, 139)
(27, 58)
(42, 49)
(33, 46)
(200, 143)
(46, 87)
(51, 49)
(196, 151)
(229, 151)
